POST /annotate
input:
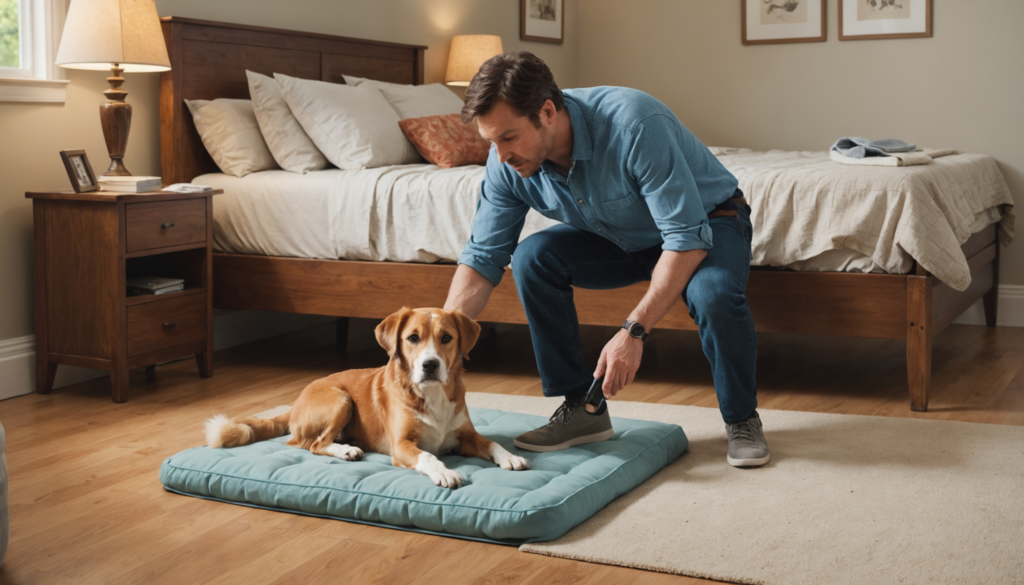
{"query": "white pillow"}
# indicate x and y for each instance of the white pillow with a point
(288, 142)
(231, 135)
(354, 127)
(414, 101)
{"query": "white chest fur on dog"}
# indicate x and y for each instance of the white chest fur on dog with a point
(439, 420)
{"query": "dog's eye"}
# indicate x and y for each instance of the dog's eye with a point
(446, 338)
(413, 338)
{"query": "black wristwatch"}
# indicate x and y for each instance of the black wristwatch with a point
(635, 330)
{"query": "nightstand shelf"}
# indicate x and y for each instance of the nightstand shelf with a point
(139, 299)
(141, 253)
(86, 246)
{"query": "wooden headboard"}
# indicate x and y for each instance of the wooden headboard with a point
(209, 59)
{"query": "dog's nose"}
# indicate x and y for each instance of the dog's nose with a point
(430, 366)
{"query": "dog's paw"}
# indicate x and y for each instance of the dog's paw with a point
(515, 463)
(506, 460)
(432, 467)
(345, 452)
(445, 478)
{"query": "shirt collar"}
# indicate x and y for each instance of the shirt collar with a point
(582, 147)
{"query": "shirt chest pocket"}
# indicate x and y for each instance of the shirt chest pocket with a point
(621, 203)
(629, 209)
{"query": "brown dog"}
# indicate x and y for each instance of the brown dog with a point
(413, 408)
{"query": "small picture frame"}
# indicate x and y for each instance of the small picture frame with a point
(542, 20)
(770, 22)
(79, 171)
(862, 20)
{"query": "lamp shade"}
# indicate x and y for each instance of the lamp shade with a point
(467, 55)
(98, 33)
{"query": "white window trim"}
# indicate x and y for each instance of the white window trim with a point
(47, 82)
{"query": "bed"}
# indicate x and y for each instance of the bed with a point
(889, 288)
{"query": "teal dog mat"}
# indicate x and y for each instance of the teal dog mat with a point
(559, 491)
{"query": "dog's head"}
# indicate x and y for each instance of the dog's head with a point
(428, 343)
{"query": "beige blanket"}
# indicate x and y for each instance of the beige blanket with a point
(804, 204)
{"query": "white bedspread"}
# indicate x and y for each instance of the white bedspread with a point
(809, 213)
(405, 213)
(804, 204)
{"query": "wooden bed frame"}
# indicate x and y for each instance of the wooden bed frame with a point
(208, 61)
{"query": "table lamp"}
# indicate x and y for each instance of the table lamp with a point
(120, 35)
(468, 53)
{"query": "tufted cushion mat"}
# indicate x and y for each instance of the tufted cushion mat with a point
(560, 490)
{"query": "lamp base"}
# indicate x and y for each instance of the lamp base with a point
(116, 120)
(117, 169)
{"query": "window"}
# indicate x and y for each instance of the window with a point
(15, 61)
(29, 37)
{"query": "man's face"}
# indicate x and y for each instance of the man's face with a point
(520, 144)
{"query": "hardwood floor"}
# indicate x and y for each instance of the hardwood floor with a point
(87, 505)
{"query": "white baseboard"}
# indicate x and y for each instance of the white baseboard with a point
(230, 328)
(1009, 311)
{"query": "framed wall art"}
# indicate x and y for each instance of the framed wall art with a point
(884, 19)
(542, 20)
(768, 22)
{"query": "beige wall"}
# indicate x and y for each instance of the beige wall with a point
(961, 88)
(33, 134)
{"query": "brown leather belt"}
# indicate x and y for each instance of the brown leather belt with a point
(728, 212)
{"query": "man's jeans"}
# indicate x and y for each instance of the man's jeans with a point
(548, 264)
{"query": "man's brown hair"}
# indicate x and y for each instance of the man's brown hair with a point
(522, 80)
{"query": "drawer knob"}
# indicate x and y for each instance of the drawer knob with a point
(169, 324)
(167, 225)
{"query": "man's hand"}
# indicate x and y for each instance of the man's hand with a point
(619, 362)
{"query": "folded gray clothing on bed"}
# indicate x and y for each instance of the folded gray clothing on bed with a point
(854, 147)
(896, 159)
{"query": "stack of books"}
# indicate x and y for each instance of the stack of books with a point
(187, 188)
(154, 285)
(129, 184)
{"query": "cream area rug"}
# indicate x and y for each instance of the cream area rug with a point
(845, 499)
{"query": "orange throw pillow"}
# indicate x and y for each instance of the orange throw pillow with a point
(445, 141)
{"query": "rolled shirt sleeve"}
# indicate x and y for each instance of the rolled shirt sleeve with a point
(655, 157)
(497, 226)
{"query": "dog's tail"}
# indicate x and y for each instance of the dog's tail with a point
(222, 431)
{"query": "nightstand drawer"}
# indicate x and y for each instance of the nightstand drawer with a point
(166, 323)
(165, 223)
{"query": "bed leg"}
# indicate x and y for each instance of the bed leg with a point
(341, 331)
(919, 340)
(991, 298)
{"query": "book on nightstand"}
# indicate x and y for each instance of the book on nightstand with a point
(129, 184)
(154, 285)
(187, 188)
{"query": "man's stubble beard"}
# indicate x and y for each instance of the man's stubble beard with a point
(544, 148)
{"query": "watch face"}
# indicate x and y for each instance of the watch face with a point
(636, 330)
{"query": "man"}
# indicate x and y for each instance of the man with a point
(640, 199)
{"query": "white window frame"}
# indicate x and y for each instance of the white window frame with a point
(24, 41)
(42, 22)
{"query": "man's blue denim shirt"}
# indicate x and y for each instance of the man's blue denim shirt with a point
(638, 177)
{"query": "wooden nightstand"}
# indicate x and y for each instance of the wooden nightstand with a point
(86, 245)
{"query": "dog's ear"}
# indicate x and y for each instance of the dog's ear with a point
(388, 330)
(469, 332)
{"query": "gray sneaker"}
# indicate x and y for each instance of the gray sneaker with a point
(570, 425)
(747, 447)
